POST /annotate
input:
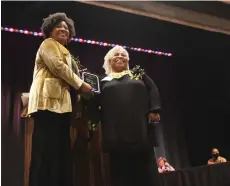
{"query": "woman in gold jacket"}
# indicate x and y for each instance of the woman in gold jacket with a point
(54, 88)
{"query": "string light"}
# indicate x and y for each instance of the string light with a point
(92, 42)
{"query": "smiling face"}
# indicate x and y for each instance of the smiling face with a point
(119, 61)
(60, 33)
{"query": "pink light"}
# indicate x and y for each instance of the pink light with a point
(7, 29)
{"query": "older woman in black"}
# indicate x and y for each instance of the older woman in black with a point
(128, 102)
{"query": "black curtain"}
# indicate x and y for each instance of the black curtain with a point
(193, 83)
(204, 175)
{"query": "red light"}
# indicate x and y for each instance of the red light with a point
(11, 30)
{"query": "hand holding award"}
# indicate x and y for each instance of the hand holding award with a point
(92, 80)
(85, 87)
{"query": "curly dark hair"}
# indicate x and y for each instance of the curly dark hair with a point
(53, 20)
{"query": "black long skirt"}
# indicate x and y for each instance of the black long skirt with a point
(51, 157)
(134, 169)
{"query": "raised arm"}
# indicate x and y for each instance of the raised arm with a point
(53, 59)
(170, 167)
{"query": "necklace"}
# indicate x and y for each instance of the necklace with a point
(117, 75)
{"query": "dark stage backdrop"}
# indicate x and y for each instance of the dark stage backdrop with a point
(194, 83)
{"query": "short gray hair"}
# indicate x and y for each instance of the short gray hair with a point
(109, 55)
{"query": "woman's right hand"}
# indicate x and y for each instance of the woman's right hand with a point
(85, 87)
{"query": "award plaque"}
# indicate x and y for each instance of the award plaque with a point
(93, 80)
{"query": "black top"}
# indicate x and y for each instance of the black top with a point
(125, 105)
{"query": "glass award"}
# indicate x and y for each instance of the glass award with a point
(93, 80)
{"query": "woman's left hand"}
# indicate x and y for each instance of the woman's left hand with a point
(155, 117)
